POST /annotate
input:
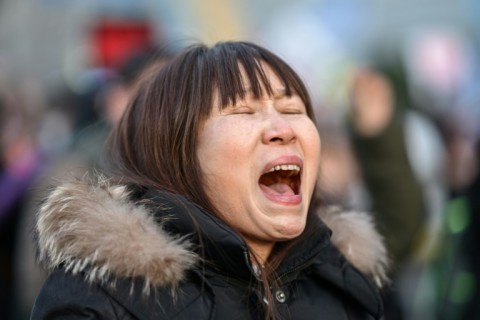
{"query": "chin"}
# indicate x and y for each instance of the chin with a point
(291, 230)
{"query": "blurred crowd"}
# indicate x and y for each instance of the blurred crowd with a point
(403, 144)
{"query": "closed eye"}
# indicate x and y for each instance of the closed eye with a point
(243, 110)
(293, 111)
(291, 105)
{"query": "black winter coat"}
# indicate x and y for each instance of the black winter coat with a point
(115, 259)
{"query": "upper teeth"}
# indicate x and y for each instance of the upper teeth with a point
(293, 167)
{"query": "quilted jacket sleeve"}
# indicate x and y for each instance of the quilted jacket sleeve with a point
(67, 296)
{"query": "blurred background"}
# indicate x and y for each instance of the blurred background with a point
(395, 84)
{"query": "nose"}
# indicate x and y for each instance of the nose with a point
(278, 130)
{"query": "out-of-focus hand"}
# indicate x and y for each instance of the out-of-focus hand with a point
(371, 102)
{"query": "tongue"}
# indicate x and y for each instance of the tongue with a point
(281, 188)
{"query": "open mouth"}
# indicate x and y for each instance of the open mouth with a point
(282, 180)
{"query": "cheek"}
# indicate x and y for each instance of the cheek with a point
(220, 160)
(218, 145)
(311, 141)
(312, 150)
(221, 153)
(226, 138)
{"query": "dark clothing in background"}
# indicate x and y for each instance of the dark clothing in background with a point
(397, 197)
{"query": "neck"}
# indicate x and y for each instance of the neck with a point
(259, 251)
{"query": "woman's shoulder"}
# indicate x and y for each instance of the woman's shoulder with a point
(65, 294)
(355, 236)
(92, 226)
(355, 260)
(91, 236)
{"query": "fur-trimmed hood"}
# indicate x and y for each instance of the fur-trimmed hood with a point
(94, 227)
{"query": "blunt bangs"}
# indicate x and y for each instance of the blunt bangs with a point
(228, 58)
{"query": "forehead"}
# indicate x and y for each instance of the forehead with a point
(255, 80)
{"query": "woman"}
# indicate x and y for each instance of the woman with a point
(210, 211)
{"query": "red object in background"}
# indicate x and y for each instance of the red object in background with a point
(116, 40)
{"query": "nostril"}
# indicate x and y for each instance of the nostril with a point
(281, 140)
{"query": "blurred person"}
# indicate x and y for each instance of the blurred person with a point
(401, 158)
(76, 154)
(209, 211)
(20, 163)
(379, 143)
(109, 101)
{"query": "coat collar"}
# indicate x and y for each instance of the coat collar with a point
(94, 227)
(218, 244)
(213, 241)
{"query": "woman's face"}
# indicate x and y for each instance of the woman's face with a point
(260, 159)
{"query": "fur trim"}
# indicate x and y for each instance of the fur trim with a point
(91, 227)
(354, 234)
